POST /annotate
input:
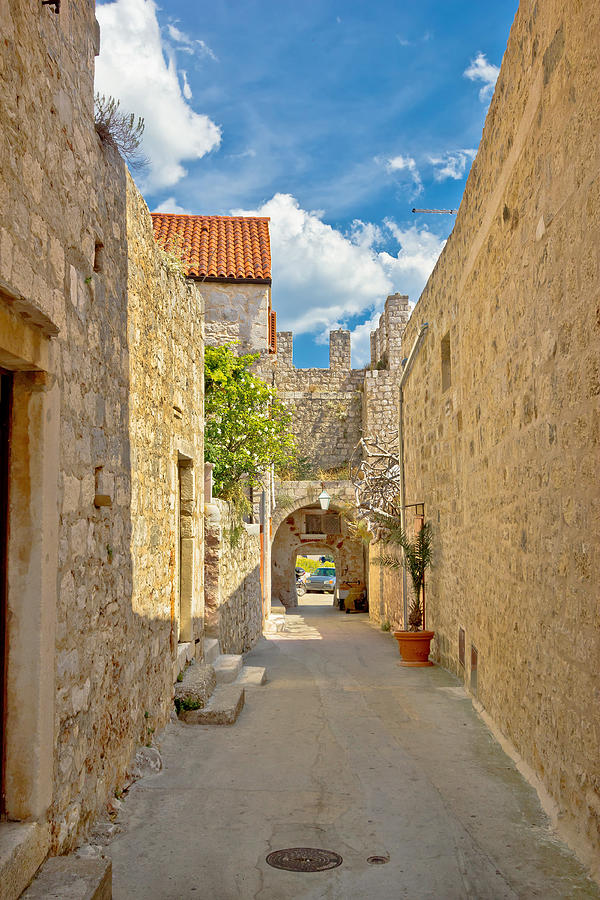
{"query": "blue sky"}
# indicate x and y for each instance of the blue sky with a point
(335, 119)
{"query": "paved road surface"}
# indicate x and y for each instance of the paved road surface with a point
(341, 750)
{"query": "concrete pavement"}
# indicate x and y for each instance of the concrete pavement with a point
(341, 750)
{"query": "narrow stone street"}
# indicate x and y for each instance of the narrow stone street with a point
(346, 751)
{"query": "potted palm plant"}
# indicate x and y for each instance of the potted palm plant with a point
(414, 642)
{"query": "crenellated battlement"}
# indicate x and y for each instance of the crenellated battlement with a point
(339, 351)
(386, 340)
(334, 407)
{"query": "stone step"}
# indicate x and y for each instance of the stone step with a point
(211, 650)
(251, 676)
(227, 667)
(67, 876)
(223, 708)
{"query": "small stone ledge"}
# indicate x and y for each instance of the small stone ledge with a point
(223, 708)
(199, 681)
(70, 878)
(23, 848)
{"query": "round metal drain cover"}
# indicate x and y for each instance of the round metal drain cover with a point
(378, 860)
(304, 859)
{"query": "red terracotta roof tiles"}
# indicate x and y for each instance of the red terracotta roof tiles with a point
(223, 248)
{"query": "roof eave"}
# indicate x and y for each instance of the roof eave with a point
(219, 280)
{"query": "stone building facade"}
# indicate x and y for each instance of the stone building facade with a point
(501, 423)
(89, 546)
(230, 258)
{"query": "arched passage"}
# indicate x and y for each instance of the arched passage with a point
(296, 535)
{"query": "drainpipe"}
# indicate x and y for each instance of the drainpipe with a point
(405, 373)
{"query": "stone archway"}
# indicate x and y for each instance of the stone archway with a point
(292, 538)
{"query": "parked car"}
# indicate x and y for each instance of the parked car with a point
(322, 579)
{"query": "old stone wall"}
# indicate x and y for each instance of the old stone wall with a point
(233, 592)
(90, 668)
(237, 312)
(64, 258)
(167, 460)
(326, 403)
(502, 415)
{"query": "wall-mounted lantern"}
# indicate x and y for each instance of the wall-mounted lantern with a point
(324, 498)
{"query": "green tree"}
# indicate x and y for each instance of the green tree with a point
(246, 426)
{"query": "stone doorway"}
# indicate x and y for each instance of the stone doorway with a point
(293, 538)
(185, 551)
(5, 412)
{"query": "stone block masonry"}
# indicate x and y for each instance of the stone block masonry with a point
(233, 593)
(326, 403)
(236, 313)
(502, 416)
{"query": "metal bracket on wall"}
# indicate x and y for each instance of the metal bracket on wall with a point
(54, 3)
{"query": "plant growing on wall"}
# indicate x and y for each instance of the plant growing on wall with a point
(120, 130)
(246, 425)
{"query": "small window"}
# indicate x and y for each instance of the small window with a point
(98, 256)
(319, 524)
(313, 524)
(272, 336)
(446, 363)
(331, 524)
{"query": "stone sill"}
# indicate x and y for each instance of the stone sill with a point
(23, 849)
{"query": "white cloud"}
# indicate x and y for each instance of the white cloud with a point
(322, 277)
(482, 70)
(190, 45)
(452, 164)
(206, 51)
(406, 164)
(187, 91)
(412, 265)
(133, 68)
(170, 205)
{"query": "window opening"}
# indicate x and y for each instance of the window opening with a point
(446, 363)
(186, 545)
(322, 524)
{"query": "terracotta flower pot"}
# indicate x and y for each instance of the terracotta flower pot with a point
(414, 647)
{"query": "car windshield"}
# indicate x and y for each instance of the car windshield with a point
(324, 572)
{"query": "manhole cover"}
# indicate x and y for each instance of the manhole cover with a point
(304, 859)
(378, 860)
